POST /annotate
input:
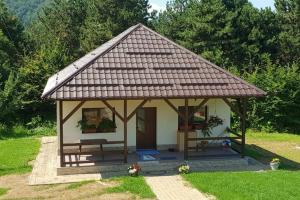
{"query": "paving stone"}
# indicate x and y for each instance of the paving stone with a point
(173, 187)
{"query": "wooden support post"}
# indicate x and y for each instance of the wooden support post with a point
(125, 131)
(61, 134)
(186, 128)
(243, 126)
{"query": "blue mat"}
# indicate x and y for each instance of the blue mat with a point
(143, 153)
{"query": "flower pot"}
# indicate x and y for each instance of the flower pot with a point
(274, 166)
(199, 126)
(190, 127)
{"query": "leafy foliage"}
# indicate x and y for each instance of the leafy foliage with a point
(26, 10)
(259, 45)
(280, 110)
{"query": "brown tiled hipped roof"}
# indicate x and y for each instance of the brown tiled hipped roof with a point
(140, 63)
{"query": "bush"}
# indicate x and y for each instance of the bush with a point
(18, 131)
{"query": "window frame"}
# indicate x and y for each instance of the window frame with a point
(99, 113)
(191, 123)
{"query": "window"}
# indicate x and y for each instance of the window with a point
(197, 117)
(98, 120)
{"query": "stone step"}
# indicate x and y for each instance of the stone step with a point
(164, 166)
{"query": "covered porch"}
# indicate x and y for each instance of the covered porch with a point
(195, 147)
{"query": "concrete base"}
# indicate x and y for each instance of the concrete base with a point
(46, 170)
(220, 164)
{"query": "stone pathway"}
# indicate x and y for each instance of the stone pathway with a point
(173, 187)
(45, 166)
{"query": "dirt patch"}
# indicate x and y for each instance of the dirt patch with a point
(18, 189)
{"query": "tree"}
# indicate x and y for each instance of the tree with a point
(289, 14)
(229, 33)
(65, 31)
(280, 110)
(12, 47)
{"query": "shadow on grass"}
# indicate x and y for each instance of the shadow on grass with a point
(19, 131)
(265, 156)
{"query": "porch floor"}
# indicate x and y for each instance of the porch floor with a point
(164, 156)
(46, 168)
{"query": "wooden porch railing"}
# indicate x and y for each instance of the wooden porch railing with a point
(236, 140)
(100, 152)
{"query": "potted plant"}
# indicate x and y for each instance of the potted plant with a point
(85, 127)
(184, 168)
(200, 126)
(134, 169)
(107, 125)
(274, 164)
(213, 122)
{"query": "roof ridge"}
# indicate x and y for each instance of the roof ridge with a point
(205, 60)
(115, 43)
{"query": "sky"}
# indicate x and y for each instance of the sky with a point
(161, 4)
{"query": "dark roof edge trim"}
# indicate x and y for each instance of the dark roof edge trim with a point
(158, 98)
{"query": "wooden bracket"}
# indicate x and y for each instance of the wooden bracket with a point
(113, 110)
(174, 108)
(72, 112)
(135, 110)
(232, 107)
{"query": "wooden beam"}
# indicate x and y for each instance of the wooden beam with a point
(199, 106)
(174, 108)
(61, 134)
(135, 110)
(243, 126)
(73, 111)
(213, 138)
(232, 107)
(125, 131)
(113, 110)
(186, 128)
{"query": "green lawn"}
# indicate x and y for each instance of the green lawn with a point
(73, 186)
(134, 185)
(3, 191)
(16, 153)
(272, 137)
(282, 184)
(265, 146)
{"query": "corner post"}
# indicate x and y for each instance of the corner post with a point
(125, 131)
(61, 134)
(186, 131)
(243, 126)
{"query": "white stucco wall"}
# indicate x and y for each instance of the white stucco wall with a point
(167, 120)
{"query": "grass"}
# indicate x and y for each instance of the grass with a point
(282, 184)
(16, 153)
(248, 185)
(79, 184)
(265, 146)
(272, 137)
(3, 191)
(134, 185)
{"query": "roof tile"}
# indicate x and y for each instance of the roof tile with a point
(147, 61)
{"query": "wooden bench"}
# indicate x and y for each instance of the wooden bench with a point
(100, 142)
